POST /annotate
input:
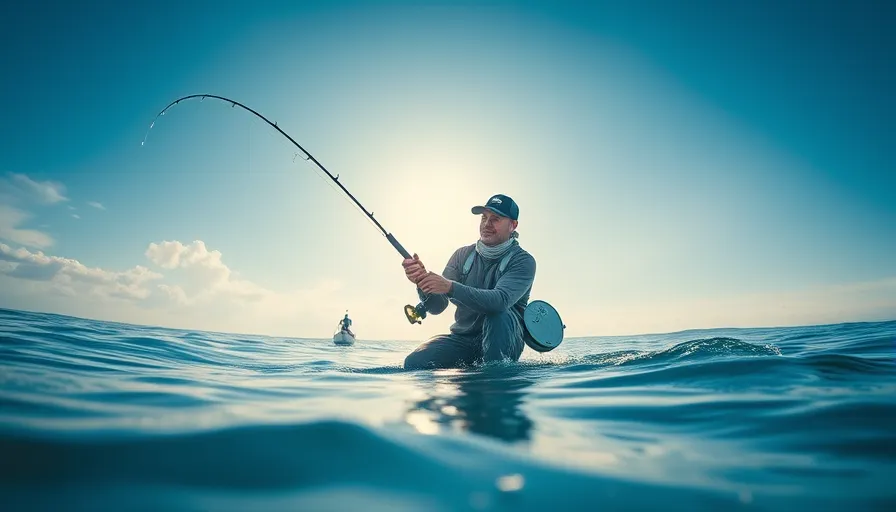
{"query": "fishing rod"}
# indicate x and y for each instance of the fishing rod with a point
(414, 314)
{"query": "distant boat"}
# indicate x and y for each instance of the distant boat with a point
(344, 335)
(344, 338)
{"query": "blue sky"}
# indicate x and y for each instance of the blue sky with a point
(677, 164)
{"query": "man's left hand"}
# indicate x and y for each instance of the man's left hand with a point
(434, 283)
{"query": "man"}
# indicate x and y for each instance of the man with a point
(345, 323)
(488, 323)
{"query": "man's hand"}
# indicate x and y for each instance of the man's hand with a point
(414, 269)
(434, 283)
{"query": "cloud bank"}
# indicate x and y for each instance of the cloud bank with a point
(189, 286)
(71, 277)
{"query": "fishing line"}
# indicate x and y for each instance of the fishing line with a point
(414, 314)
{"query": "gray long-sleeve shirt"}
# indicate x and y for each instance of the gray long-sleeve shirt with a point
(478, 294)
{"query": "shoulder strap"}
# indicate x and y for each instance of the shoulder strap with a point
(469, 263)
(505, 260)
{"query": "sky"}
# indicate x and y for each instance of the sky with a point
(677, 165)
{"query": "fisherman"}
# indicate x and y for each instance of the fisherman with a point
(345, 323)
(490, 292)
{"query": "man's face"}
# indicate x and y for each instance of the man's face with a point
(495, 229)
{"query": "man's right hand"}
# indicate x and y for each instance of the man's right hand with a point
(414, 269)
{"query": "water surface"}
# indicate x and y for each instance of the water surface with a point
(106, 416)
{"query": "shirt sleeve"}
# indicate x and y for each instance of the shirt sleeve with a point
(436, 303)
(515, 281)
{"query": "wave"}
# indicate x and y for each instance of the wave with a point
(301, 463)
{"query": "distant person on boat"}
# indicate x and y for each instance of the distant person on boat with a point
(345, 323)
(489, 282)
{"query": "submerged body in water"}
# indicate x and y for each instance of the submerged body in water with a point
(104, 416)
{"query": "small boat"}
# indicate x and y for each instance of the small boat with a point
(344, 338)
(344, 334)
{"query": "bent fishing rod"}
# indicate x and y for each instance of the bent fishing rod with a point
(414, 313)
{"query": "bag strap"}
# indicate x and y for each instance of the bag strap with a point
(469, 263)
(505, 260)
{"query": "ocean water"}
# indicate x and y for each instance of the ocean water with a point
(106, 416)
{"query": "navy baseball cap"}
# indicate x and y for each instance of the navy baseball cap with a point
(500, 204)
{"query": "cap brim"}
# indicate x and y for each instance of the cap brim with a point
(479, 209)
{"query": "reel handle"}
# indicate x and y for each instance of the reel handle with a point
(415, 313)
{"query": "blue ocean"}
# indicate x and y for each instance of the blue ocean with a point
(106, 416)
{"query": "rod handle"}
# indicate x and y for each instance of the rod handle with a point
(401, 250)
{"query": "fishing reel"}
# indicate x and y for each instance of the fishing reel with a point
(415, 313)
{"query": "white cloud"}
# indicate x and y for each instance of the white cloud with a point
(18, 191)
(46, 192)
(10, 220)
(71, 276)
(175, 254)
(205, 272)
(96, 205)
(76, 216)
(202, 273)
